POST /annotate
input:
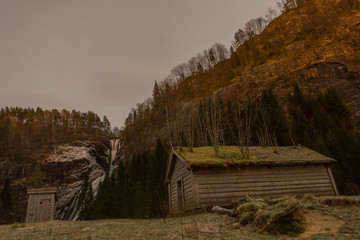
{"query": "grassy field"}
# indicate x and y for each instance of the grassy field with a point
(341, 220)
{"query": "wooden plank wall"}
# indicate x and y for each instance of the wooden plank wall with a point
(220, 187)
(41, 207)
(180, 172)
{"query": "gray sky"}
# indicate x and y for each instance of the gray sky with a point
(105, 55)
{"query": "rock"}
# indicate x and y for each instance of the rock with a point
(67, 167)
(222, 210)
(63, 169)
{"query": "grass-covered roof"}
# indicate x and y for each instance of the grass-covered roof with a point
(231, 156)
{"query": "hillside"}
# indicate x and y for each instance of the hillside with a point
(295, 82)
(340, 220)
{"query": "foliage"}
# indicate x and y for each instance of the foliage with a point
(323, 123)
(37, 177)
(138, 191)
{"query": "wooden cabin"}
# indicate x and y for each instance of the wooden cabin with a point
(41, 204)
(199, 179)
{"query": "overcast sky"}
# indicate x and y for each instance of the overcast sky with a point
(105, 55)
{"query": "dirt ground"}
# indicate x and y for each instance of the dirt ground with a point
(319, 224)
(322, 222)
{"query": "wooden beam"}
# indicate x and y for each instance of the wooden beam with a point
(332, 181)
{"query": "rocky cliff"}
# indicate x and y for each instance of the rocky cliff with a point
(65, 169)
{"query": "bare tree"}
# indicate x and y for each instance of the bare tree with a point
(201, 59)
(192, 65)
(214, 123)
(207, 63)
(212, 57)
(270, 14)
(255, 26)
(250, 28)
(189, 130)
(221, 51)
(200, 126)
(168, 126)
(265, 137)
(260, 24)
(281, 6)
(177, 130)
(244, 119)
(240, 37)
(179, 72)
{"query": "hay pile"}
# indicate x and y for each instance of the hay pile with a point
(281, 215)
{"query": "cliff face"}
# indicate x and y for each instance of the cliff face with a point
(64, 169)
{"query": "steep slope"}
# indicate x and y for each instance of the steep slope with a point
(314, 47)
(320, 49)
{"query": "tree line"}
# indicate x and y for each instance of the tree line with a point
(24, 131)
(320, 122)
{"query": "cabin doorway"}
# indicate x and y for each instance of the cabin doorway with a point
(180, 195)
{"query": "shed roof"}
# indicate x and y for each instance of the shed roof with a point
(35, 191)
(231, 156)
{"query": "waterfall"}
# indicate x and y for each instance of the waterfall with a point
(115, 146)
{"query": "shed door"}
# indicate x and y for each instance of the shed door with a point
(44, 207)
(180, 195)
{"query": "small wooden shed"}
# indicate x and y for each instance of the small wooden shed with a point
(199, 179)
(41, 204)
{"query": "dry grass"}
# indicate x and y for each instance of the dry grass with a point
(200, 226)
(322, 222)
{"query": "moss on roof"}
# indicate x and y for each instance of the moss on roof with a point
(231, 156)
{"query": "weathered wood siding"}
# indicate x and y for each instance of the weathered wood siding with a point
(181, 173)
(40, 207)
(221, 186)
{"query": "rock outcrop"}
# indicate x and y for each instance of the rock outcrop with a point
(64, 169)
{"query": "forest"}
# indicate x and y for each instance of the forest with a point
(27, 132)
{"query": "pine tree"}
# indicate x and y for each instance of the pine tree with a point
(278, 126)
(156, 94)
(106, 125)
